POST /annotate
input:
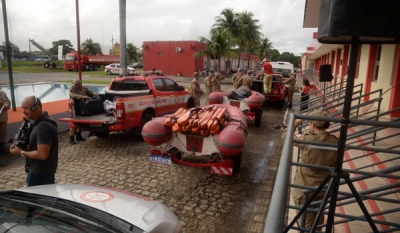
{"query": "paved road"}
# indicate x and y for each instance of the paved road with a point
(202, 201)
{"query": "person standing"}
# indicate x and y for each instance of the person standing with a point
(313, 177)
(77, 92)
(217, 82)
(268, 74)
(291, 82)
(236, 78)
(4, 106)
(42, 151)
(209, 85)
(305, 94)
(196, 90)
(247, 80)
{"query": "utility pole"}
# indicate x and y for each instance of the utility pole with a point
(103, 40)
(122, 36)
(112, 44)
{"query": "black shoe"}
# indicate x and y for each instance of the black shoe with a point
(79, 137)
(72, 140)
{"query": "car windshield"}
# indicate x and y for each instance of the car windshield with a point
(24, 216)
(70, 58)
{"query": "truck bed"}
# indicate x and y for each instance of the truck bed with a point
(101, 118)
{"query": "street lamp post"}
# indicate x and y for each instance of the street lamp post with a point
(103, 39)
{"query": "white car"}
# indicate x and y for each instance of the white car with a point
(115, 68)
(82, 208)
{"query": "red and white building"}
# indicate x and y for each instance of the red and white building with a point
(378, 65)
(176, 58)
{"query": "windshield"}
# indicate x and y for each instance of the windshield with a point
(70, 58)
(24, 216)
(284, 72)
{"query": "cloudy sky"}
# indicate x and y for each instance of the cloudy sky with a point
(149, 20)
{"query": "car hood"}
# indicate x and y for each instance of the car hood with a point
(141, 211)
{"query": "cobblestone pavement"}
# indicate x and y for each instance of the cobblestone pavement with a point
(202, 201)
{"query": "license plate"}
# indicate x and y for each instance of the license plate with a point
(161, 159)
(95, 125)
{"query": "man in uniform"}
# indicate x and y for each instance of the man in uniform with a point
(247, 80)
(209, 85)
(236, 78)
(42, 151)
(4, 106)
(291, 82)
(267, 70)
(196, 90)
(313, 177)
(78, 92)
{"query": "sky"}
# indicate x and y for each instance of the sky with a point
(46, 21)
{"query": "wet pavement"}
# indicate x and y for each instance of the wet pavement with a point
(203, 202)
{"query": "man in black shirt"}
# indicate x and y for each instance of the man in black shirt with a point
(42, 150)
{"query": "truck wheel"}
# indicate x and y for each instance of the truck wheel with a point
(146, 118)
(46, 65)
(236, 163)
(53, 65)
(257, 118)
(108, 72)
(102, 134)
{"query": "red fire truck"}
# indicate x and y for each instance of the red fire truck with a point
(89, 62)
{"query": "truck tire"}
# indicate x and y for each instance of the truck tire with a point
(108, 72)
(257, 118)
(46, 65)
(145, 118)
(53, 65)
(102, 134)
(236, 164)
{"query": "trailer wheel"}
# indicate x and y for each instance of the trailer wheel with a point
(257, 118)
(236, 163)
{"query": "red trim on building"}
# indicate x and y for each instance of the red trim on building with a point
(332, 60)
(395, 93)
(344, 62)
(338, 54)
(370, 70)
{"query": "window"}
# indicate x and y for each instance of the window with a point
(377, 61)
(160, 54)
(129, 85)
(171, 85)
(158, 84)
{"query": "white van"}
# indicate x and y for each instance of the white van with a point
(282, 67)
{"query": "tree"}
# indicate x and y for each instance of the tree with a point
(290, 57)
(67, 47)
(133, 53)
(217, 46)
(264, 48)
(251, 32)
(91, 48)
(274, 55)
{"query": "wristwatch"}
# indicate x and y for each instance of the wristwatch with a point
(22, 153)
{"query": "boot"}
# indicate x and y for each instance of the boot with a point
(72, 140)
(79, 137)
(290, 105)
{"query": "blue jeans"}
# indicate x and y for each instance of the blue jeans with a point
(33, 179)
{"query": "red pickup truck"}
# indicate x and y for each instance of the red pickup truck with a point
(136, 100)
(279, 89)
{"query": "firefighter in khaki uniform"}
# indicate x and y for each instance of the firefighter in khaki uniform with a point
(4, 106)
(235, 79)
(78, 92)
(209, 85)
(313, 177)
(196, 90)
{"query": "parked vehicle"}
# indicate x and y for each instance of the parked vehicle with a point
(115, 68)
(82, 208)
(137, 65)
(89, 62)
(135, 100)
(279, 89)
(283, 68)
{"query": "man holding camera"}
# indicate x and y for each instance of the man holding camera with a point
(41, 151)
(77, 92)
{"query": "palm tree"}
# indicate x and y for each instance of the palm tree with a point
(133, 53)
(251, 31)
(216, 47)
(91, 48)
(229, 22)
(264, 48)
